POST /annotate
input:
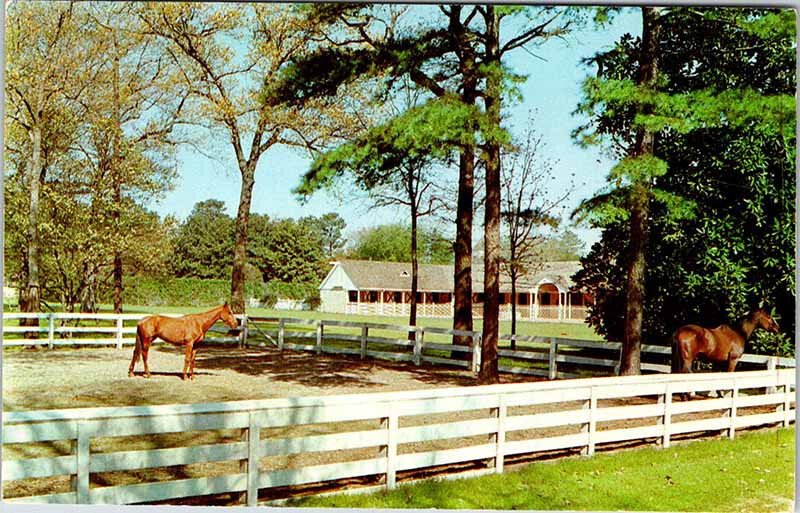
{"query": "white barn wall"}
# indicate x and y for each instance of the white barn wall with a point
(333, 290)
(333, 301)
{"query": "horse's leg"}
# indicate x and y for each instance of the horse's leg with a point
(137, 351)
(145, 350)
(687, 363)
(191, 367)
(732, 361)
(187, 360)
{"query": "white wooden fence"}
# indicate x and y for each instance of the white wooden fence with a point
(387, 436)
(61, 328)
(550, 357)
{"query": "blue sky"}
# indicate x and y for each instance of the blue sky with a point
(552, 91)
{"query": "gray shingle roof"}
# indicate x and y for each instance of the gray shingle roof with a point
(371, 275)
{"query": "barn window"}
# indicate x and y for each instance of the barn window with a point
(352, 296)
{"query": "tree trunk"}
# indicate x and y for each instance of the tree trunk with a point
(630, 356)
(30, 299)
(491, 283)
(513, 309)
(115, 161)
(89, 290)
(240, 242)
(462, 248)
(412, 315)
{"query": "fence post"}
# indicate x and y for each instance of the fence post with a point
(592, 422)
(772, 365)
(732, 413)
(243, 333)
(552, 371)
(500, 436)
(391, 424)
(81, 481)
(319, 337)
(253, 453)
(787, 403)
(51, 329)
(280, 334)
(119, 332)
(667, 419)
(477, 338)
(364, 333)
(418, 335)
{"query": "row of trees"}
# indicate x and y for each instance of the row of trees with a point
(100, 96)
(453, 55)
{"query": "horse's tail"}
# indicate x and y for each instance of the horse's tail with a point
(676, 354)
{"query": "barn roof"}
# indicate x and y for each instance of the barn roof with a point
(372, 275)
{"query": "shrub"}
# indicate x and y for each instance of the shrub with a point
(149, 291)
(306, 291)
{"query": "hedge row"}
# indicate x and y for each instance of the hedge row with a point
(275, 290)
(139, 290)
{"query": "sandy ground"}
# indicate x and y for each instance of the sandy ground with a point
(71, 378)
(36, 379)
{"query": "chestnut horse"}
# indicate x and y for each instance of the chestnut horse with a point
(186, 331)
(721, 344)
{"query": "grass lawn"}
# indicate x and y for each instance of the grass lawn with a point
(544, 329)
(755, 473)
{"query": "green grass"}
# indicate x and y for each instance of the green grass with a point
(544, 329)
(755, 472)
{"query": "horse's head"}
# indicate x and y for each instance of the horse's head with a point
(764, 320)
(227, 316)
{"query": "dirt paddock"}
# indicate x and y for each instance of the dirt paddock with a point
(35, 379)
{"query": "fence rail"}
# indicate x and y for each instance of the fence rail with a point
(550, 357)
(59, 328)
(383, 435)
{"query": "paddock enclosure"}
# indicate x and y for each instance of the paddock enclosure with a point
(293, 406)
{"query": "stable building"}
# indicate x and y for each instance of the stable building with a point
(384, 288)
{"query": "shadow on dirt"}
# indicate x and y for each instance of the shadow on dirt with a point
(326, 371)
(179, 375)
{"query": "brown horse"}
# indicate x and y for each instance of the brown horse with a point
(186, 331)
(721, 344)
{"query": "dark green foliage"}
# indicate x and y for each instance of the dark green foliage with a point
(279, 250)
(561, 247)
(433, 130)
(738, 249)
(329, 229)
(204, 243)
(286, 250)
(391, 243)
(153, 291)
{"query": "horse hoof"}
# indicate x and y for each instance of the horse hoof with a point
(147, 375)
(130, 374)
